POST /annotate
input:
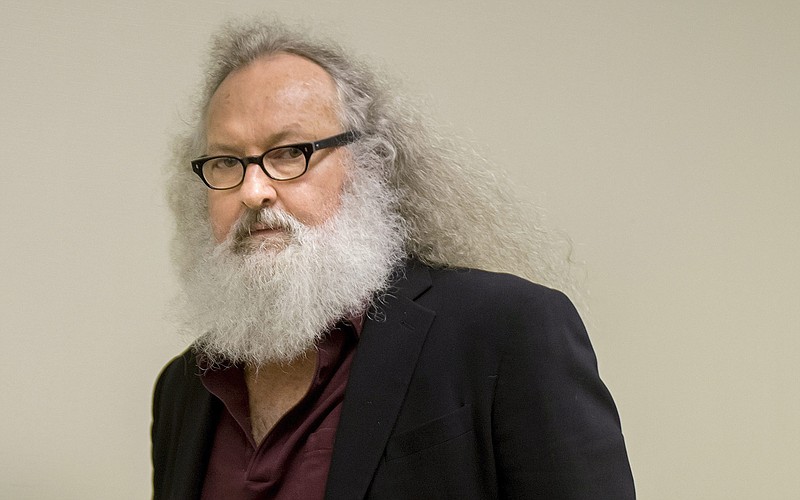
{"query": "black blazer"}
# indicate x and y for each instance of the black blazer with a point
(466, 384)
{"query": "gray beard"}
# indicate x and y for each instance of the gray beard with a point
(265, 301)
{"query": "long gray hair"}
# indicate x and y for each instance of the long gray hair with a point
(457, 209)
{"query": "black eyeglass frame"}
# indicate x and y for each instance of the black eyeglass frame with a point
(307, 148)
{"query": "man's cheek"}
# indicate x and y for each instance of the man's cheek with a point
(222, 219)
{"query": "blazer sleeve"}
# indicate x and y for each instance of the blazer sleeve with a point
(556, 430)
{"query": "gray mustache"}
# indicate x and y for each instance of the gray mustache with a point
(267, 218)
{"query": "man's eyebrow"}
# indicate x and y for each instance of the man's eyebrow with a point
(274, 140)
(219, 148)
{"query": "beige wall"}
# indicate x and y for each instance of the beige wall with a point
(661, 135)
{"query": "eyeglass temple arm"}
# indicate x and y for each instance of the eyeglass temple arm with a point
(337, 140)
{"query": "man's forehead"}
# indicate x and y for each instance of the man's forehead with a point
(280, 94)
(280, 77)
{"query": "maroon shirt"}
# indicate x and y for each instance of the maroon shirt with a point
(293, 459)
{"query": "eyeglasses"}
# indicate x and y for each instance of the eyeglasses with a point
(282, 163)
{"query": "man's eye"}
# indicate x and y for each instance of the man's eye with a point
(223, 163)
(289, 153)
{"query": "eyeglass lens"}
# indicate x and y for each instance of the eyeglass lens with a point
(281, 163)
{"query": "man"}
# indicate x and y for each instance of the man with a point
(345, 349)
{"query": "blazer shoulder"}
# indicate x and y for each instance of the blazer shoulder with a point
(479, 286)
(179, 367)
(178, 384)
(172, 382)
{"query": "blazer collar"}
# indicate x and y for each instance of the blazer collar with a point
(381, 372)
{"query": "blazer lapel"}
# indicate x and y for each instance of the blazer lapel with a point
(387, 355)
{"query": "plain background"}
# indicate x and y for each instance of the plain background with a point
(663, 136)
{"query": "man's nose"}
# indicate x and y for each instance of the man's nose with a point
(257, 190)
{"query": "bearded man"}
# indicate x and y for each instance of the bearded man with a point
(346, 346)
